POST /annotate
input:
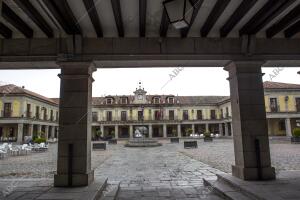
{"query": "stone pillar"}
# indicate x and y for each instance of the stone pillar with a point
(52, 132)
(165, 131)
(249, 122)
(179, 130)
(288, 128)
(193, 128)
(206, 127)
(46, 132)
(150, 131)
(30, 130)
(20, 134)
(220, 129)
(75, 117)
(226, 129)
(39, 129)
(231, 128)
(130, 131)
(102, 130)
(116, 132)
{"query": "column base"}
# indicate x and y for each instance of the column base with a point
(78, 180)
(251, 174)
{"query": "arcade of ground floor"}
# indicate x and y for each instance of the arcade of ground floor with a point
(276, 127)
(18, 132)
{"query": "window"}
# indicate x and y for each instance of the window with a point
(156, 100)
(157, 115)
(298, 104)
(37, 112)
(227, 112)
(51, 115)
(222, 114)
(282, 125)
(124, 100)
(7, 110)
(28, 110)
(212, 114)
(94, 116)
(56, 116)
(108, 116)
(171, 114)
(140, 115)
(45, 113)
(185, 115)
(123, 116)
(170, 100)
(109, 101)
(273, 105)
(199, 114)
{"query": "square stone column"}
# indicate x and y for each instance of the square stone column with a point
(30, 129)
(193, 128)
(179, 130)
(116, 132)
(20, 134)
(75, 117)
(39, 128)
(52, 134)
(220, 129)
(150, 131)
(206, 127)
(102, 130)
(226, 129)
(46, 132)
(165, 131)
(251, 142)
(288, 128)
(130, 131)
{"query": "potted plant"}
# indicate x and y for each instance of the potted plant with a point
(207, 137)
(296, 136)
(189, 132)
(98, 134)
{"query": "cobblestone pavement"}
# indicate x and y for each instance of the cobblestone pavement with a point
(157, 173)
(220, 154)
(39, 165)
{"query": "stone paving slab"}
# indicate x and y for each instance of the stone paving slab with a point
(42, 189)
(285, 187)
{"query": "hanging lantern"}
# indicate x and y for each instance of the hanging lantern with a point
(179, 12)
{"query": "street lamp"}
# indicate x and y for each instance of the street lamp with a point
(179, 12)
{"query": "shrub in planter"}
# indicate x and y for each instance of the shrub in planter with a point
(207, 137)
(40, 140)
(296, 132)
(296, 135)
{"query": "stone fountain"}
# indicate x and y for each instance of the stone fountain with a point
(140, 139)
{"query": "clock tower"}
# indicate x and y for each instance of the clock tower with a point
(140, 95)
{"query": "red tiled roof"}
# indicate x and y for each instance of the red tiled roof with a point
(277, 85)
(13, 89)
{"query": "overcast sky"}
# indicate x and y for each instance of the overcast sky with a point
(185, 81)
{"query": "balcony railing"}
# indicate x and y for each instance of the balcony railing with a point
(28, 114)
(95, 118)
(274, 108)
(6, 114)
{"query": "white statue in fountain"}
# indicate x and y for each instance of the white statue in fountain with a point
(138, 134)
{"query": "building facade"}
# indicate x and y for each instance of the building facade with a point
(25, 113)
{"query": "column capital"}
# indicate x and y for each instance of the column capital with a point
(77, 67)
(243, 65)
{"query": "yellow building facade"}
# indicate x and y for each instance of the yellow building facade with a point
(24, 113)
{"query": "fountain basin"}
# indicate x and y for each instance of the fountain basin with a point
(142, 142)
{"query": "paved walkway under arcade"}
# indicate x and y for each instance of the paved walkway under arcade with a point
(157, 173)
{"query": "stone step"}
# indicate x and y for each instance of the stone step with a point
(111, 192)
(225, 190)
(236, 183)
